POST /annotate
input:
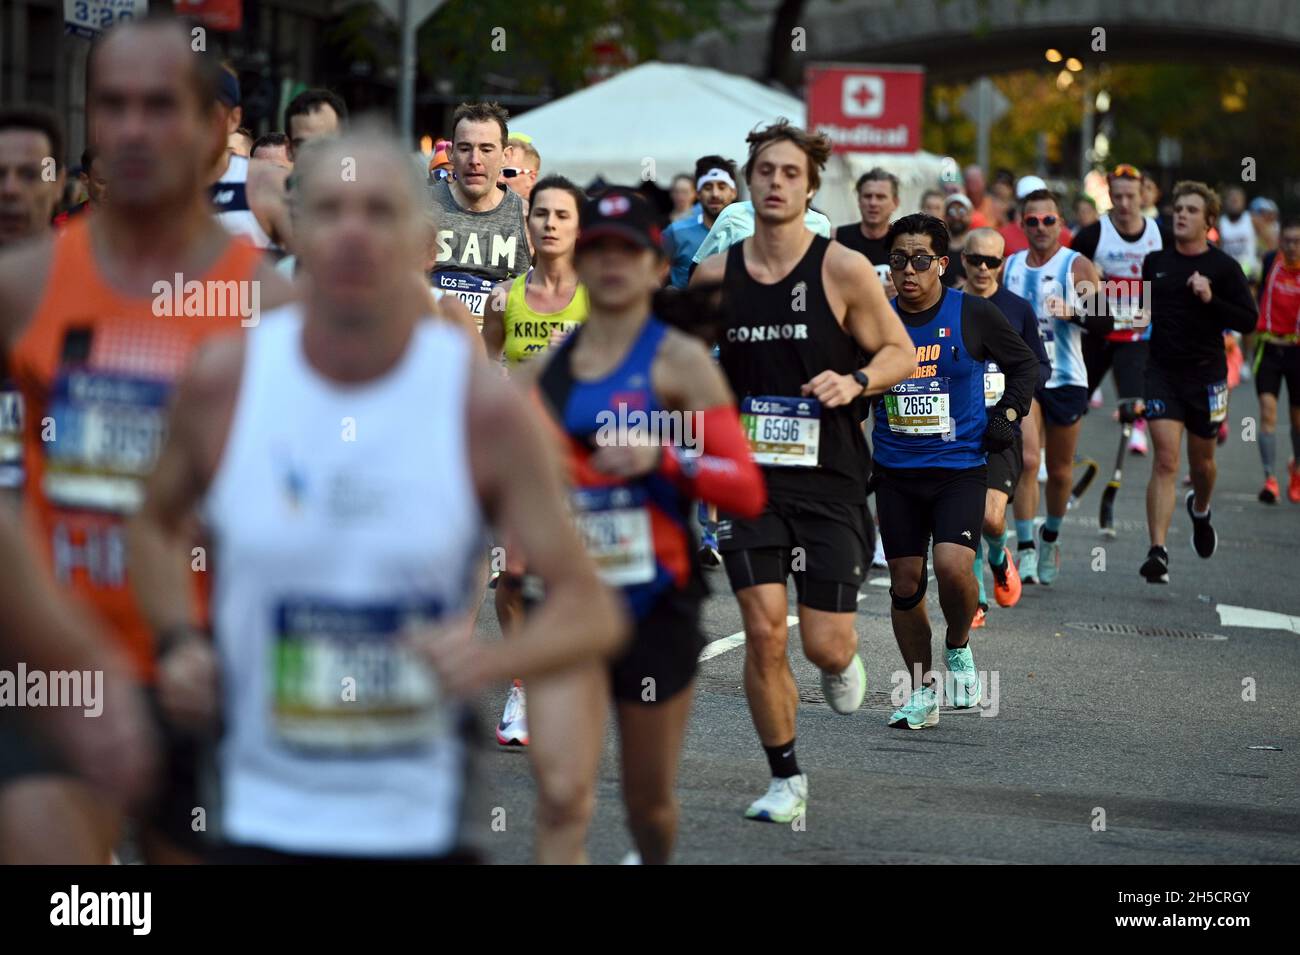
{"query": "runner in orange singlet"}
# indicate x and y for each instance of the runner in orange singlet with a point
(98, 324)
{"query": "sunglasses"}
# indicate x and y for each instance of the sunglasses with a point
(510, 172)
(921, 262)
(975, 261)
(1125, 171)
(438, 175)
(1034, 221)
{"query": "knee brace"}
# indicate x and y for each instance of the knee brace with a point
(907, 603)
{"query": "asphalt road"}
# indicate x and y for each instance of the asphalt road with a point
(1149, 733)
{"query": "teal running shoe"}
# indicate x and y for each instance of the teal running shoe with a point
(921, 711)
(1049, 560)
(963, 682)
(1027, 566)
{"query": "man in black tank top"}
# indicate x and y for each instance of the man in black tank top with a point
(801, 311)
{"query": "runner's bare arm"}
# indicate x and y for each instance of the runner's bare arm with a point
(454, 310)
(268, 196)
(712, 269)
(159, 537)
(23, 274)
(517, 479)
(869, 318)
(494, 320)
(1087, 284)
(274, 289)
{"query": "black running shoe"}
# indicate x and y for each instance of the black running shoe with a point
(1156, 568)
(1204, 541)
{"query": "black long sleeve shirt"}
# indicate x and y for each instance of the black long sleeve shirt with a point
(1186, 333)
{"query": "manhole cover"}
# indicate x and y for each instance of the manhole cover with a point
(1129, 629)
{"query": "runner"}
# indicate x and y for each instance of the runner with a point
(482, 237)
(682, 192)
(932, 203)
(94, 347)
(250, 196)
(313, 114)
(240, 142)
(525, 316)
(959, 220)
(801, 312)
(1117, 243)
(524, 164)
(1197, 292)
(715, 184)
(930, 440)
(327, 542)
(877, 192)
(1277, 358)
(45, 751)
(1058, 283)
(273, 148)
(635, 488)
(983, 258)
(1237, 233)
(29, 137)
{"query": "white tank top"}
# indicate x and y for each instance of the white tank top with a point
(339, 514)
(1120, 263)
(1238, 240)
(1042, 285)
(230, 198)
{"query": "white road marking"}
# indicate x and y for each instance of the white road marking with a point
(719, 647)
(1230, 616)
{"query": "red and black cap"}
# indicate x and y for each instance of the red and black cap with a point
(621, 213)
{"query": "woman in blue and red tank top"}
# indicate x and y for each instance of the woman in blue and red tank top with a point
(648, 426)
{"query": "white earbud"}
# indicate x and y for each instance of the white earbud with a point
(941, 270)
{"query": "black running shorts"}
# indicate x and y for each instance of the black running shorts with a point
(915, 504)
(1005, 467)
(664, 653)
(825, 545)
(1275, 364)
(1063, 406)
(1127, 359)
(1169, 396)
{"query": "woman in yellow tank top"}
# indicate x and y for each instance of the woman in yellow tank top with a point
(530, 313)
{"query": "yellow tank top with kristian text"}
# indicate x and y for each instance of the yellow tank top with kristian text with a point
(528, 333)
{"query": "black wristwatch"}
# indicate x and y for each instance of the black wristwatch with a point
(861, 378)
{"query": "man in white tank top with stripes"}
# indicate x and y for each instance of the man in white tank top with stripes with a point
(1057, 282)
(345, 458)
(249, 196)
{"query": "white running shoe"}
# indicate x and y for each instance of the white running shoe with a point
(1042, 470)
(1095, 400)
(784, 801)
(846, 691)
(878, 558)
(1137, 442)
(513, 728)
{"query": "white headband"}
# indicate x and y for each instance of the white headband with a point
(715, 175)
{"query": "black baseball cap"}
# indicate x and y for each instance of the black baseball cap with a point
(622, 213)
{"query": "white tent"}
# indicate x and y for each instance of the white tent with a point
(656, 119)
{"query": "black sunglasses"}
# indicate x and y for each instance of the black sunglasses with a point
(438, 175)
(921, 261)
(1033, 221)
(992, 261)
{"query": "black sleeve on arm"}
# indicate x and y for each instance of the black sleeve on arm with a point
(988, 336)
(1231, 297)
(1085, 241)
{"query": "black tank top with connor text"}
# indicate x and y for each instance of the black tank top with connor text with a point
(777, 338)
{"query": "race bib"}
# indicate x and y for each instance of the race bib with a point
(995, 383)
(345, 682)
(782, 432)
(614, 524)
(1218, 402)
(107, 431)
(473, 290)
(918, 407)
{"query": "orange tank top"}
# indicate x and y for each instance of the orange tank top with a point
(96, 369)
